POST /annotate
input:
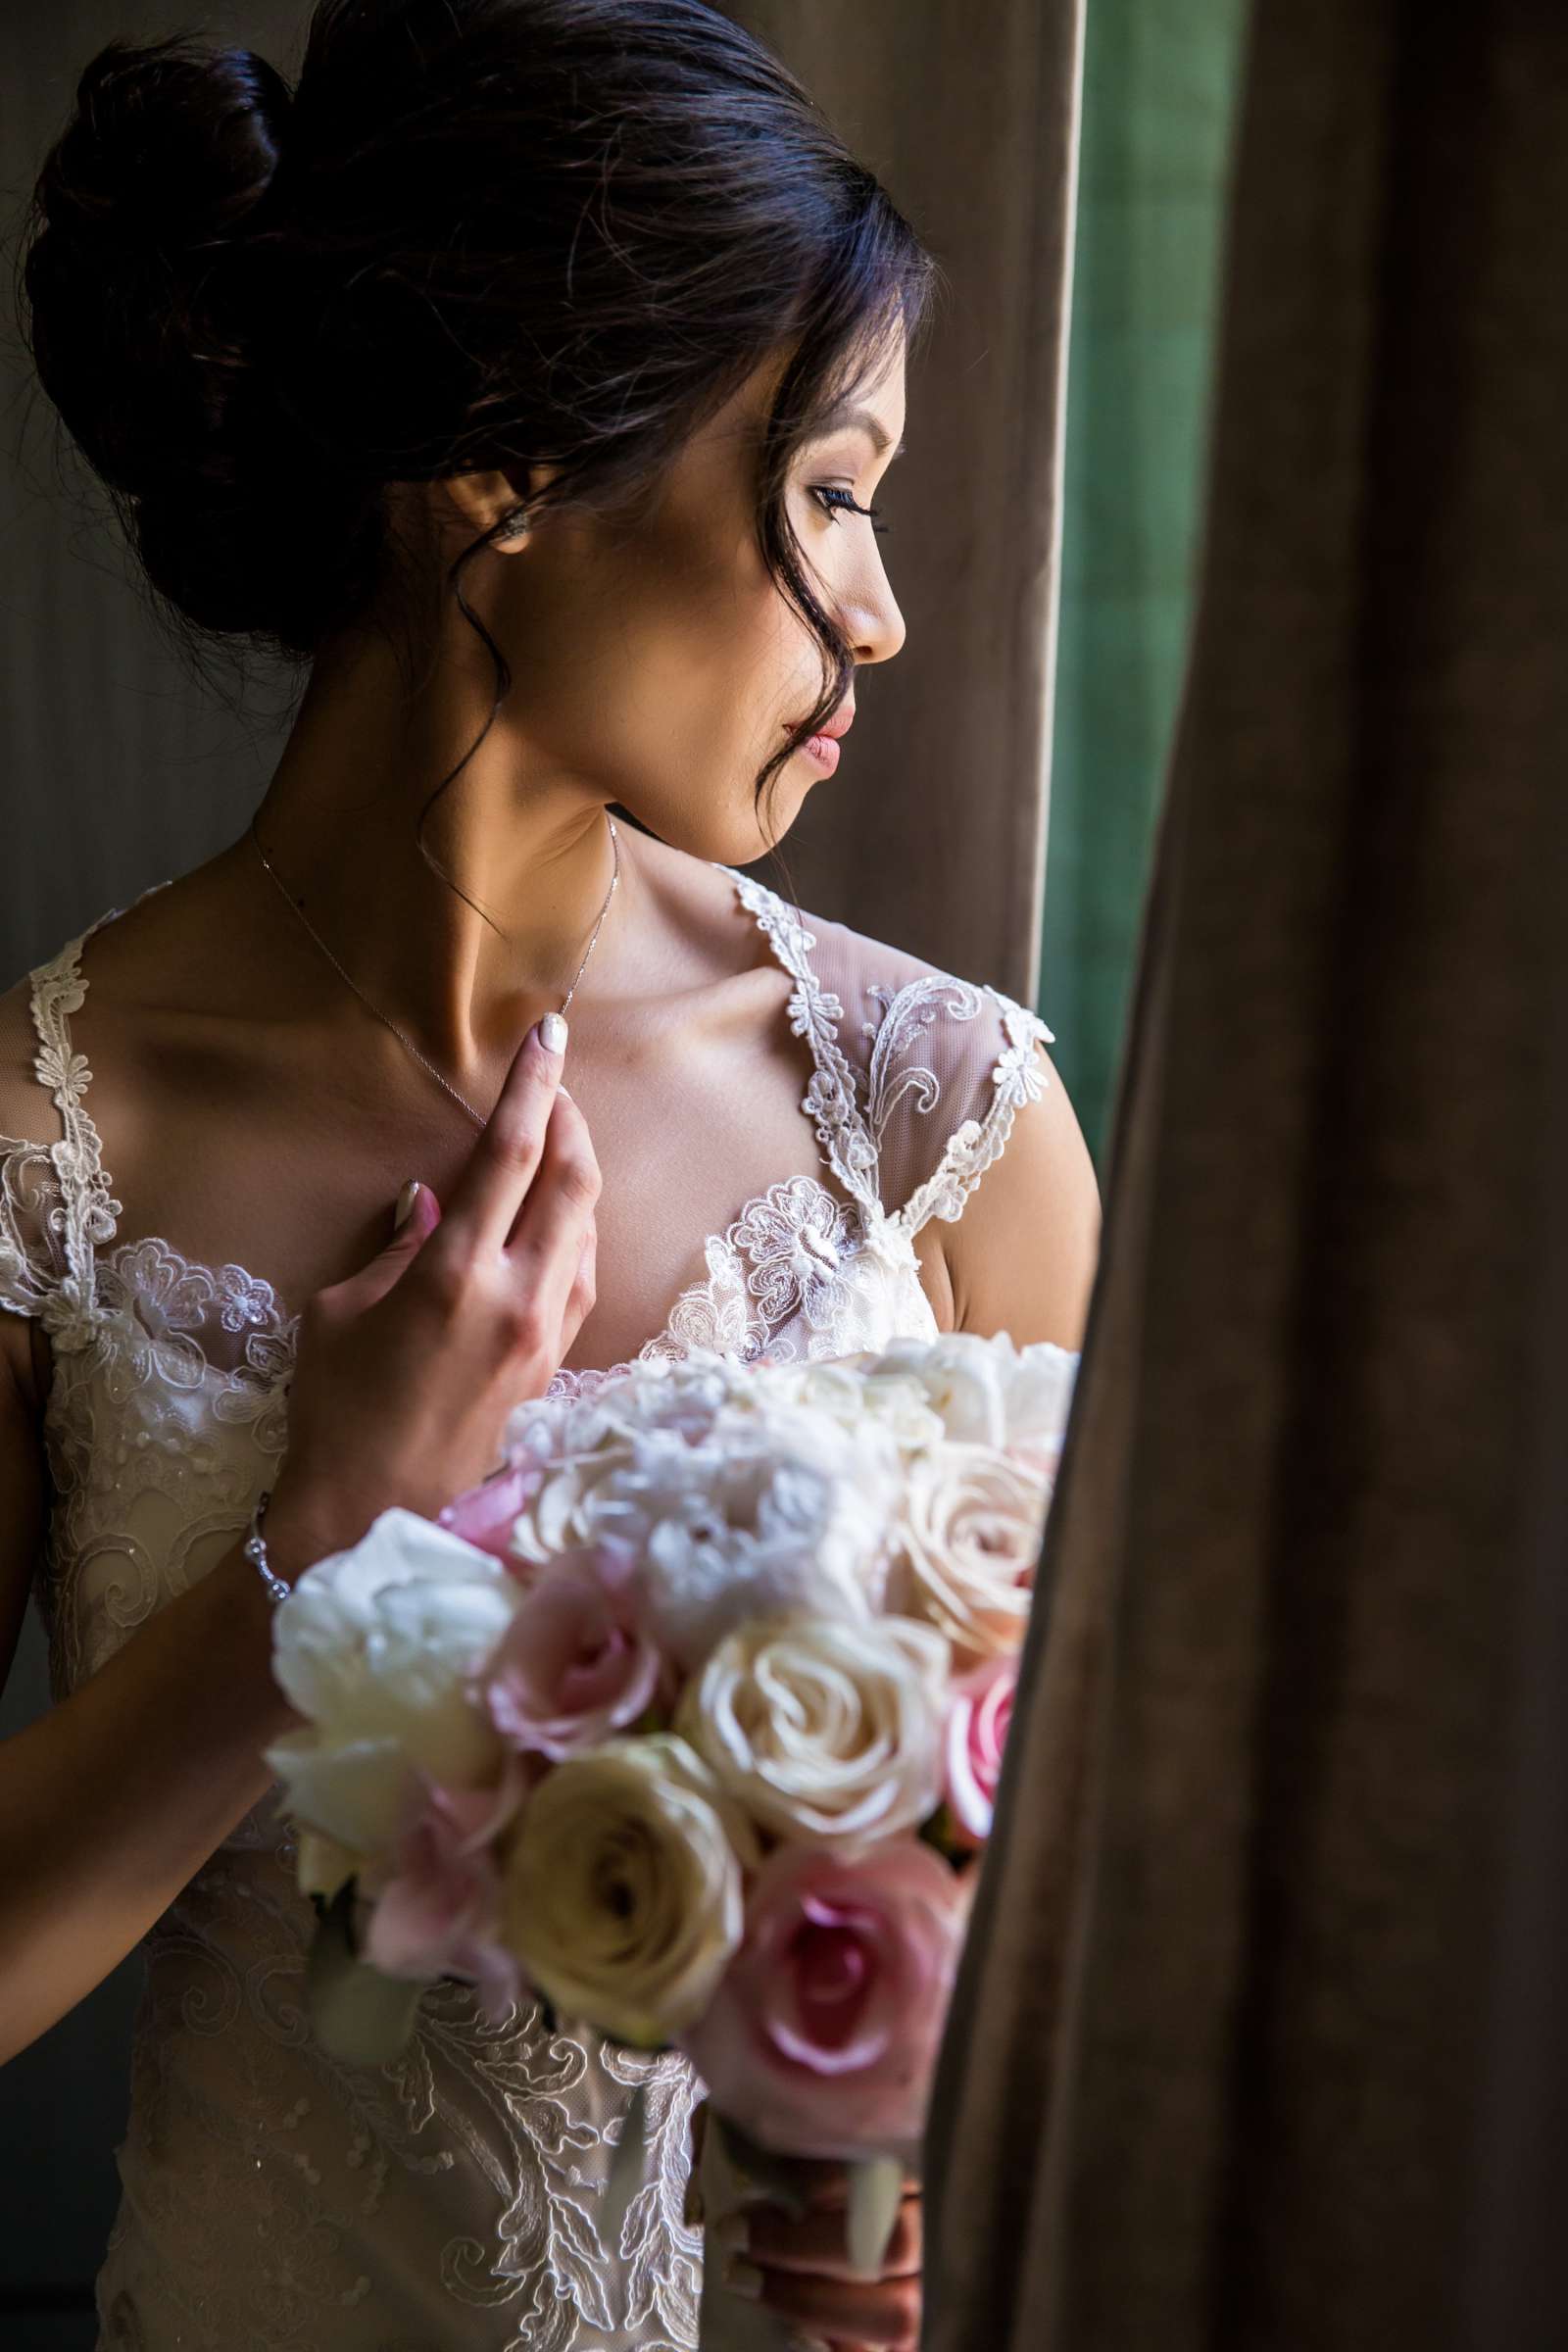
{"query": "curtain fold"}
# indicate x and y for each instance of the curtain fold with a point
(1259, 2034)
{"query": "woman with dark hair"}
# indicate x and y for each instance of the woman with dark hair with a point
(527, 372)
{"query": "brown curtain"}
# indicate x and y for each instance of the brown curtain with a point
(1260, 2035)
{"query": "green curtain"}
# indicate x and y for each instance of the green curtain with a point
(1158, 84)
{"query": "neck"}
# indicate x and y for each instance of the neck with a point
(532, 850)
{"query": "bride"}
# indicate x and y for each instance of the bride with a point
(529, 376)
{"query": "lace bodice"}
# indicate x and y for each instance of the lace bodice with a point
(274, 2200)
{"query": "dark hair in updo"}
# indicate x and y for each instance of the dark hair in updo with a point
(477, 233)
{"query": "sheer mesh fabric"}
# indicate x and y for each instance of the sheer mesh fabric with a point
(273, 2199)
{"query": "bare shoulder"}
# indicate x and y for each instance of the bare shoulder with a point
(1023, 1255)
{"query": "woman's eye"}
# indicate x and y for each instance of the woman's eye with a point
(834, 501)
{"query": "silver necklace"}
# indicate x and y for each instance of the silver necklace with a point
(478, 1117)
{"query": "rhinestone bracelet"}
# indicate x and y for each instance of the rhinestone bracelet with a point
(255, 1550)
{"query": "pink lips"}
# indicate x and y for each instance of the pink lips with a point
(824, 744)
(840, 722)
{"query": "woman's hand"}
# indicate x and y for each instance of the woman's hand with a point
(800, 2267)
(406, 1370)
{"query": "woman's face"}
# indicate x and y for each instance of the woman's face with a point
(657, 662)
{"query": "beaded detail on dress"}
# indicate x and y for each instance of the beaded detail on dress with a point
(273, 2199)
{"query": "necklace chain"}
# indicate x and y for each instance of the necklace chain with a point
(477, 1118)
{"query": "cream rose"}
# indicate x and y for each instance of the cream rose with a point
(826, 1730)
(622, 1891)
(969, 1530)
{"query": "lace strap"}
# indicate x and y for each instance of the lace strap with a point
(86, 1211)
(830, 1102)
(976, 1143)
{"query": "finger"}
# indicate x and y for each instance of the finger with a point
(815, 2241)
(882, 2312)
(487, 1195)
(584, 1288)
(547, 1243)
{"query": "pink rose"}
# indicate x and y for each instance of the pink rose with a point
(439, 1912)
(574, 1666)
(976, 1732)
(823, 2034)
(484, 1515)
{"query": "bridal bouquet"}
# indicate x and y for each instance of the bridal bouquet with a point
(688, 1723)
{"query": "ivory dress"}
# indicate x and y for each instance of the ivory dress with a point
(273, 2199)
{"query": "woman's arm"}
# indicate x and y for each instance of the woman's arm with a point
(110, 1801)
(1022, 1256)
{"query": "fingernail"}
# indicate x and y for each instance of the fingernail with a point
(553, 1033)
(405, 1207)
(742, 2278)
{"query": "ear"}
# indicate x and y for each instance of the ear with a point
(480, 500)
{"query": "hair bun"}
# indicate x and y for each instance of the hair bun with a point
(148, 217)
(169, 148)
(170, 145)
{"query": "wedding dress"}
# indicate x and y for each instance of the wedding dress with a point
(273, 2199)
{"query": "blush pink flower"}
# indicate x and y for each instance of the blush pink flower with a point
(975, 1734)
(438, 1914)
(484, 1515)
(575, 1665)
(823, 2035)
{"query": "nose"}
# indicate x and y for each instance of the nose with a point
(875, 628)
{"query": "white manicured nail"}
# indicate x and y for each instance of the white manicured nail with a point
(553, 1033)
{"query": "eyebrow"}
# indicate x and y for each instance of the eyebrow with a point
(838, 419)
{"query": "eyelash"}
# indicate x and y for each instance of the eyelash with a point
(836, 502)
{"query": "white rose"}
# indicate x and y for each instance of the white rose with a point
(856, 1388)
(964, 1380)
(374, 1646)
(988, 1391)
(1040, 1401)
(826, 1731)
(969, 1534)
(621, 1886)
